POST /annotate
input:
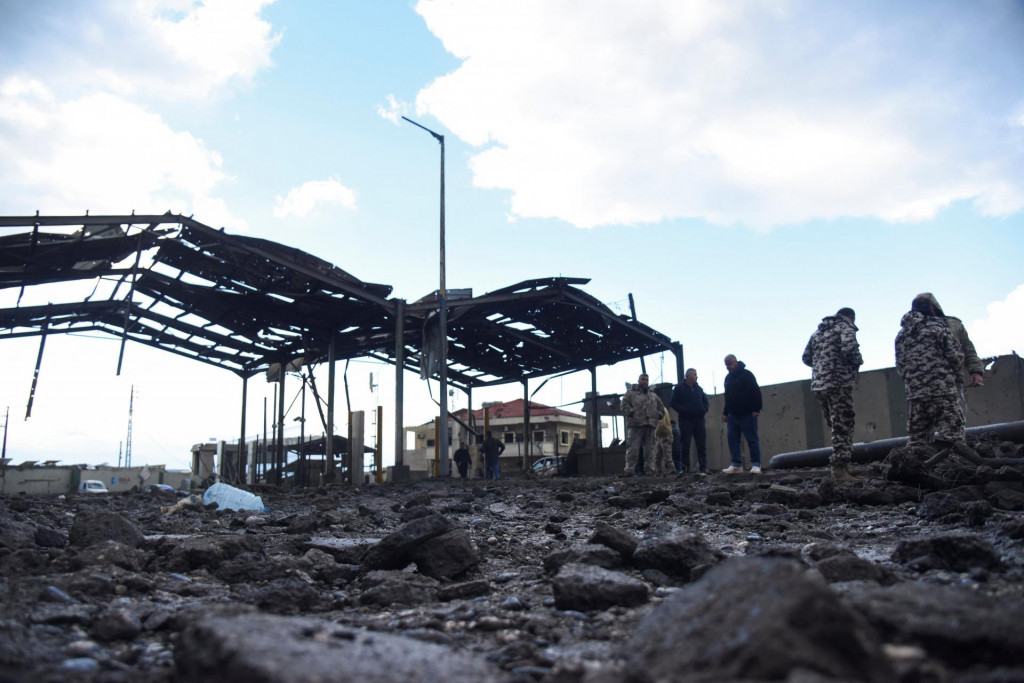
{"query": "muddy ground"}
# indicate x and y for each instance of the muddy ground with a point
(783, 576)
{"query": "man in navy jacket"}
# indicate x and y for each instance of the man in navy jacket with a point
(691, 403)
(742, 406)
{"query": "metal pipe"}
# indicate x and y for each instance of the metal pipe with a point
(399, 469)
(873, 451)
(632, 310)
(331, 467)
(242, 475)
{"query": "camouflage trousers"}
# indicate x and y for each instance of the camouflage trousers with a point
(636, 437)
(926, 416)
(837, 406)
(663, 455)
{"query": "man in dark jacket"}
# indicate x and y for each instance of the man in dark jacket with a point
(691, 403)
(492, 449)
(463, 460)
(742, 406)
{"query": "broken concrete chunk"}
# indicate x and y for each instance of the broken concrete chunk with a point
(584, 587)
(261, 648)
(394, 550)
(675, 553)
(755, 619)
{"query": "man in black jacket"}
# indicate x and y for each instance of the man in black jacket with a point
(492, 449)
(690, 401)
(463, 460)
(742, 406)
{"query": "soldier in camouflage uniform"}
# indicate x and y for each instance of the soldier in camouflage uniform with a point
(643, 410)
(973, 366)
(834, 355)
(929, 359)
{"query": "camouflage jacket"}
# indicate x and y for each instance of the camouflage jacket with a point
(833, 353)
(927, 356)
(642, 408)
(972, 364)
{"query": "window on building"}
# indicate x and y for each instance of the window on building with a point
(430, 443)
(576, 435)
(563, 437)
(538, 436)
(509, 437)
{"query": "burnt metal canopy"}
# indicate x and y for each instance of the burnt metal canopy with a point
(243, 303)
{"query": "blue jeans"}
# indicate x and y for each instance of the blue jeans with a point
(745, 424)
(493, 471)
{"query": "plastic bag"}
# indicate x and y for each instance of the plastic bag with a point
(228, 497)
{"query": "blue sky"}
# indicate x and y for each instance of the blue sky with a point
(742, 168)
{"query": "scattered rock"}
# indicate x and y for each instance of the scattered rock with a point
(618, 540)
(595, 555)
(953, 624)
(720, 626)
(263, 647)
(394, 550)
(675, 553)
(585, 587)
(93, 526)
(446, 556)
(954, 552)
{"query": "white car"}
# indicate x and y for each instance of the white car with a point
(92, 486)
(547, 466)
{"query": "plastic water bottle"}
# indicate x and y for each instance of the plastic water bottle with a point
(230, 498)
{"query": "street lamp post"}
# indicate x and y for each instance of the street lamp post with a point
(442, 317)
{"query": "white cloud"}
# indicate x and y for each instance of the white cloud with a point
(303, 200)
(100, 153)
(750, 111)
(1003, 330)
(163, 49)
(393, 111)
(74, 132)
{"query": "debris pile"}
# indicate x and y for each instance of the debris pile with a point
(910, 573)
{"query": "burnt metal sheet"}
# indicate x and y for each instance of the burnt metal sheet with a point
(532, 329)
(244, 303)
(172, 283)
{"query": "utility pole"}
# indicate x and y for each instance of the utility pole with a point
(7, 417)
(442, 296)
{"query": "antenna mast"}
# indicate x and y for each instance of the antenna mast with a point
(128, 441)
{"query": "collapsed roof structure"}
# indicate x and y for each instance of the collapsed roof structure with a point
(250, 306)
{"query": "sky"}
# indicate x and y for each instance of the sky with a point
(742, 168)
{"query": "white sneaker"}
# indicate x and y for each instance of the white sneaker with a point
(732, 469)
(756, 469)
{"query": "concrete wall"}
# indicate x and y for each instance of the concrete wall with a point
(64, 479)
(792, 419)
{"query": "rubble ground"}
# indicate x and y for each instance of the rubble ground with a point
(783, 576)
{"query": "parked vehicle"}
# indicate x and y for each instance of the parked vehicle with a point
(91, 486)
(158, 488)
(548, 466)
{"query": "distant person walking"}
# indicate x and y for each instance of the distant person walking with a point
(492, 449)
(463, 460)
(742, 406)
(691, 403)
(643, 410)
(972, 366)
(929, 359)
(834, 356)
